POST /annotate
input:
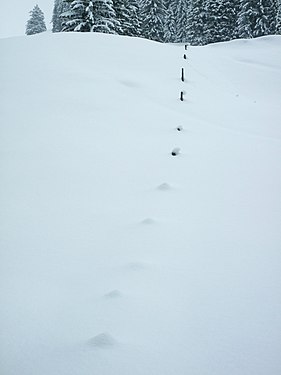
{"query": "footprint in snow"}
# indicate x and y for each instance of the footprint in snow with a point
(129, 83)
(102, 341)
(164, 187)
(136, 266)
(113, 294)
(148, 221)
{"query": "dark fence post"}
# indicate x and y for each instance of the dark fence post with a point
(182, 74)
(184, 56)
(175, 151)
(181, 97)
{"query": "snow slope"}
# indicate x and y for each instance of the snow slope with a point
(117, 257)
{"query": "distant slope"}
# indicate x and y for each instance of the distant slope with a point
(117, 257)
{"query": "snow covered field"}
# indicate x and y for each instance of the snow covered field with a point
(118, 258)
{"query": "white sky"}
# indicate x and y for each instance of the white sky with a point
(14, 15)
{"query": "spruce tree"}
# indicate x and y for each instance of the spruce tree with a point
(228, 20)
(278, 25)
(104, 17)
(196, 22)
(76, 15)
(181, 15)
(134, 23)
(152, 19)
(170, 25)
(266, 22)
(211, 24)
(122, 12)
(119, 10)
(257, 18)
(60, 7)
(36, 23)
(220, 20)
(246, 18)
(91, 15)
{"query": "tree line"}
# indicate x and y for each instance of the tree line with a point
(197, 22)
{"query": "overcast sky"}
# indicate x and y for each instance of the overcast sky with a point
(14, 14)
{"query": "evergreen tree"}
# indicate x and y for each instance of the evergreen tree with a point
(76, 15)
(60, 7)
(122, 11)
(246, 18)
(152, 19)
(266, 22)
(257, 18)
(181, 15)
(134, 22)
(170, 25)
(228, 21)
(104, 17)
(221, 18)
(196, 22)
(90, 15)
(36, 23)
(119, 9)
(278, 26)
(211, 23)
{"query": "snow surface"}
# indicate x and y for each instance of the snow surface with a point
(116, 257)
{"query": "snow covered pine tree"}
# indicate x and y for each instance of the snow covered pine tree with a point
(122, 15)
(181, 13)
(170, 24)
(60, 7)
(104, 17)
(221, 18)
(196, 22)
(278, 26)
(134, 24)
(36, 23)
(152, 19)
(257, 18)
(76, 15)
(267, 18)
(127, 15)
(91, 15)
